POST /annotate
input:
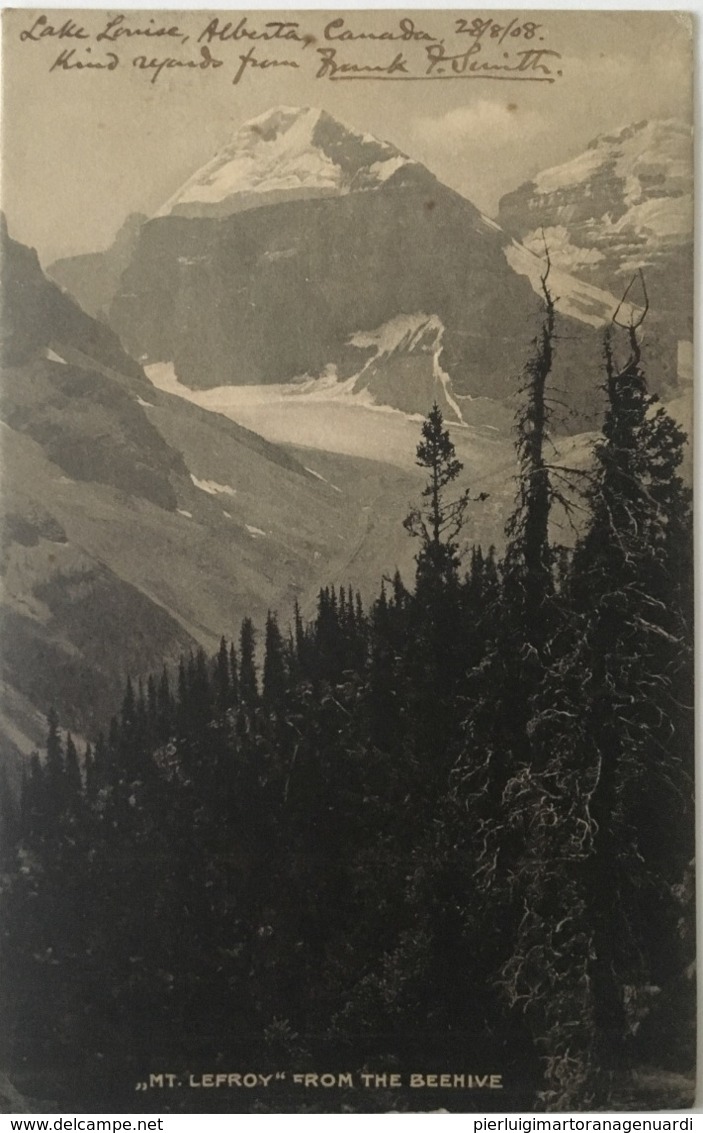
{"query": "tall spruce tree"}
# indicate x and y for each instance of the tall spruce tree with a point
(484, 838)
(528, 579)
(436, 667)
(223, 682)
(607, 806)
(274, 675)
(248, 683)
(501, 687)
(440, 519)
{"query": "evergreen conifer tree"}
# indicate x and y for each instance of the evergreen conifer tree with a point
(223, 686)
(607, 805)
(439, 521)
(248, 683)
(274, 675)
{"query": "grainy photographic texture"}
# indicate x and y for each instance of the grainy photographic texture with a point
(346, 730)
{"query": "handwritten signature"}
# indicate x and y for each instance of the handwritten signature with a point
(534, 64)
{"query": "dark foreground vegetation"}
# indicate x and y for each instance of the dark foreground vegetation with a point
(451, 832)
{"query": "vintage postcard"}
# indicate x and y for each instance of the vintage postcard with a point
(346, 737)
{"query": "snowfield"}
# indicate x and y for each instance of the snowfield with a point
(582, 301)
(321, 413)
(279, 152)
(318, 413)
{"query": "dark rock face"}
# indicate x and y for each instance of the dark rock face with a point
(625, 203)
(71, 626)
(99, 628)
(135, 526)
(58, 387)
(27, 529)
(37, 315)
(91, 428)
(272, 293)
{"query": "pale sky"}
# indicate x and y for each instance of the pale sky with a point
(81, 149)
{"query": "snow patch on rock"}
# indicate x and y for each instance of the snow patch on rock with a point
(52, 356)
(324, 479)
(401, 332)
(572, 297)
(212, 487)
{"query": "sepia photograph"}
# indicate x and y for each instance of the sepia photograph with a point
(346, 716)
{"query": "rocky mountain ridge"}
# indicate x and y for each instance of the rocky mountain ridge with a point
(624, 203)
(94, 277)
(302, 239)
(136, 525)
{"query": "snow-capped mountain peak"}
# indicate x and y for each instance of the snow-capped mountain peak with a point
(650, 159)
(624, 204)
(286, 153)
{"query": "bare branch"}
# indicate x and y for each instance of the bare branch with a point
(645, 309)
(632, 325)
(545, 277)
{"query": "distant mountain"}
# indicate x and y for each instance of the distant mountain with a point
(94, 278)
(36, 316)
(625, 203)
(303, 239)
(305, 251)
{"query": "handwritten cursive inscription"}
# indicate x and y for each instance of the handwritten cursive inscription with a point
(406, 31)
(529, 65)
(117, 28)
(41, 29)
(155, 67)
(332, 68)
(251, 60)
(331, 47)
(69, 60)
(274, 29)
